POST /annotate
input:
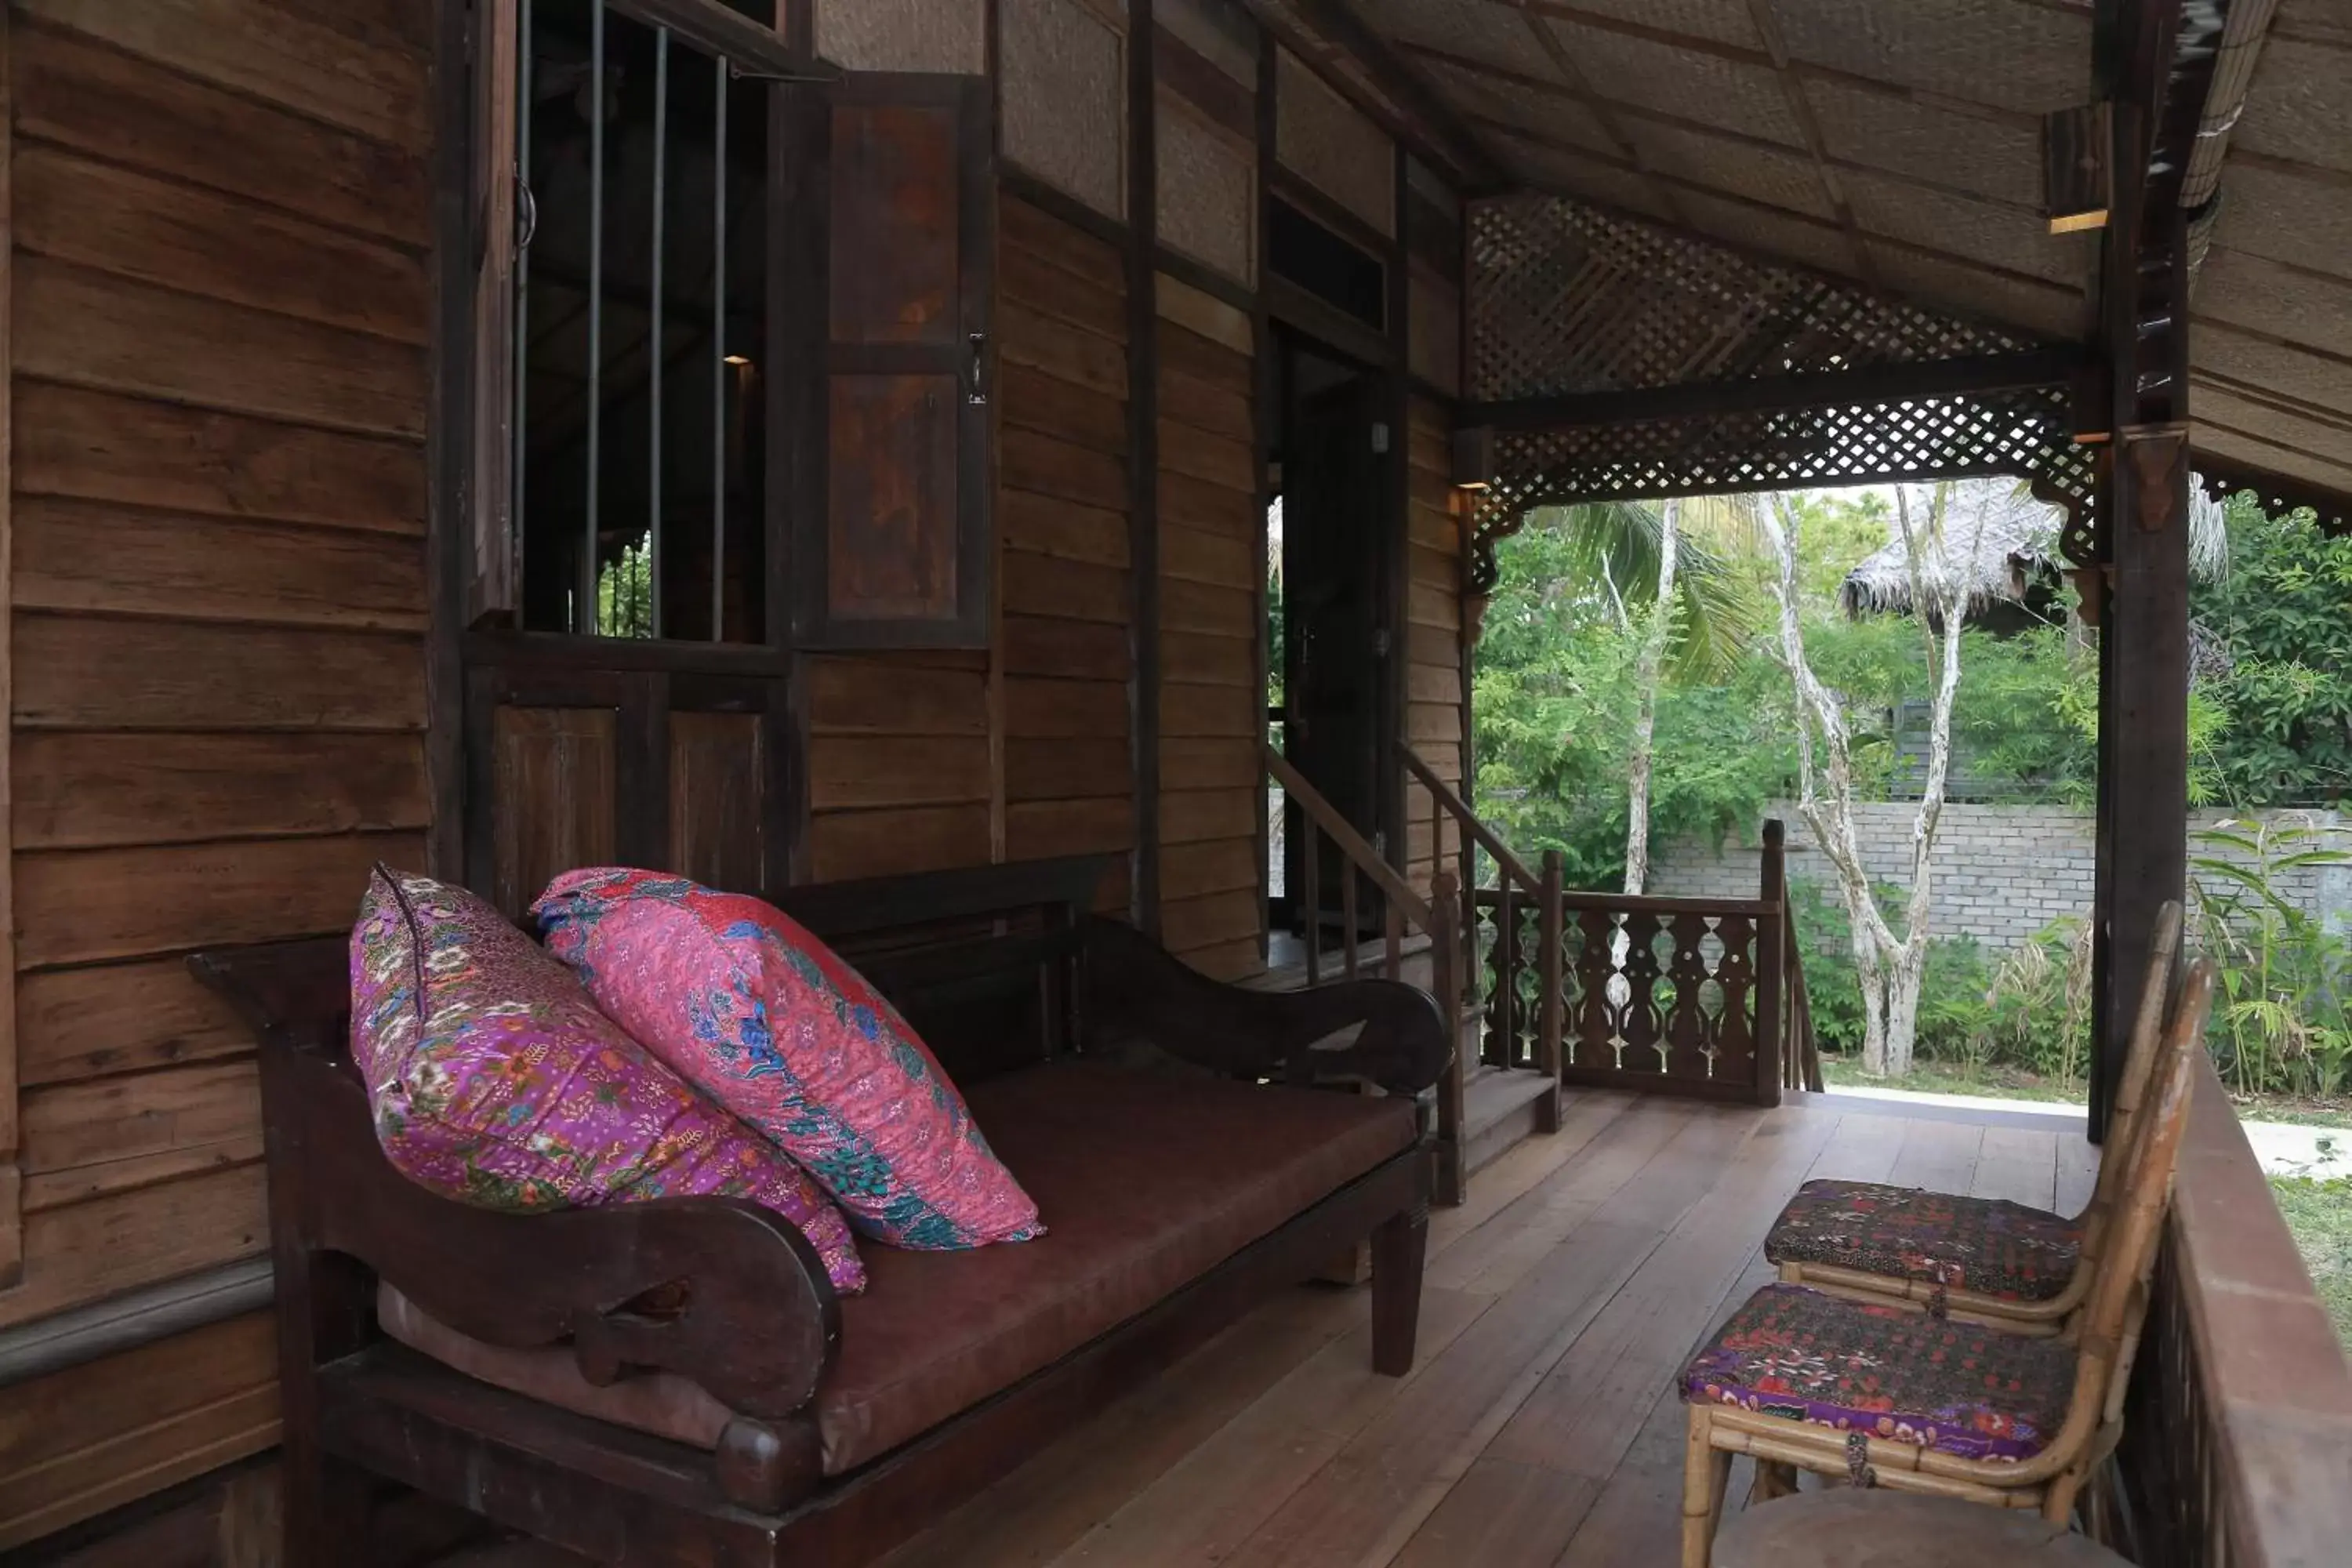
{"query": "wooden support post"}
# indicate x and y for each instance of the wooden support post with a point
(1350, 939)
(1311, 868)
(1445, 937)
(2147, 719)
(1772, 963)
(1551, 963)
(1504, 1005)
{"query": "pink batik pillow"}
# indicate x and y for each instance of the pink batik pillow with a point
(736, 997)
(496, 1081)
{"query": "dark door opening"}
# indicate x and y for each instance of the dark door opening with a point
(1332, 443)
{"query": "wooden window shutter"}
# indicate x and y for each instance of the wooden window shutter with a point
(496, 206)
(891, 546)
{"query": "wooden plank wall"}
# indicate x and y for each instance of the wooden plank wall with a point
(1211, 708)
(926, 761)
(1062, 509)
(1434, 692)
(218, 371)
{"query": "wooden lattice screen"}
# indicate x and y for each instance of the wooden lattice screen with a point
(1566, 300)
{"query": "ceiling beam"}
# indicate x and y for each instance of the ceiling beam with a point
(1776, 394)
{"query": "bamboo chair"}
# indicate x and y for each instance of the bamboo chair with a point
(1925, 1279)
(1769, 1418)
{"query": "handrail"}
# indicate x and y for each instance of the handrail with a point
(1459, 809)
(1307, 798)
(1653, 903)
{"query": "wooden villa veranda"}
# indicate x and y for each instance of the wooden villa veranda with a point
(796, 442)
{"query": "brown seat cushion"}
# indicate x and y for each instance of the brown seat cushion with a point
(1145, 1183)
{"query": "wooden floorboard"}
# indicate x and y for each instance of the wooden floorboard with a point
(1540, 1425)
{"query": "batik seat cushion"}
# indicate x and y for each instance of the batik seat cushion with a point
(1958, 1388)
(1989, 1245)
(739, 999)
(494, 1080)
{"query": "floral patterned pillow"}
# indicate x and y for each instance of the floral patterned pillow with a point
(736, 997)
(496, 1081)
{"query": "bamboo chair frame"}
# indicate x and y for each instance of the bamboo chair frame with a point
(2048, 1318)
(2107, 1340)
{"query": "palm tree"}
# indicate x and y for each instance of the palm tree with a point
(1671, 563)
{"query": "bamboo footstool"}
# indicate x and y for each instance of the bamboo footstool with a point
(1846, 1528)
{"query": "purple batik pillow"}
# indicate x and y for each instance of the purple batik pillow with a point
(737, 997)
(496, 1081)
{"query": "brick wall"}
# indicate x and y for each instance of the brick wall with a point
(2003, 872)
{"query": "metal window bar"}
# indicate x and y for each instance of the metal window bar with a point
(525, 84)
(654, 349)
(587, 619)
(719, 368)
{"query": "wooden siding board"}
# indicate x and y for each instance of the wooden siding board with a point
(88, 328)
(1031, 280)
(162, 232)
(125, 1240)
(1031, 399)
(1189, 816)
(1068, 769)
(1221, 866)
(1072, 590)
(1196, 711)
(1036, 830)
(1053, 348)
(85, 555)
(86, 906)
(80, 672)
(85, 791)
(1213, 509)
(880, 696)
(1188, 607)
(1200, 660)
(75, 1024)
(1026, 227)
(1064, 709)
(104, 447)
(862, 773)
(1062, 471)
(1199, 556)
(1208, 763)
(1189, 924)
(78, 94)
(848, 845)
(1039, 645)
(361, 78)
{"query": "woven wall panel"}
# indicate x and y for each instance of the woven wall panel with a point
(1565, 297)
(1064, 98)
(945, 35)
(2252, 292)
(1322, 138)
(2034, 58)
(1747, 99)
(2326, 20)
(2006, 237)
(1738, 168)
(1560, 169)
(1219, 31)
(1470, 30)
(1813, 244)
(2049, 310)
(1554, 115)
(2301, 103)
(1208, 191)
(1998, 158)
(1434, 317)
(2286, 217)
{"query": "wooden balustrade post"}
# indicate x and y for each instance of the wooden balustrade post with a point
(1396, 941)
(1349, 935)
(1504, 1005)
(1772, 963)
(1551, 1016)
(1451, 1181)
(1312, 869)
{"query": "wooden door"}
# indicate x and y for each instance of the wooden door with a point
(894, 502)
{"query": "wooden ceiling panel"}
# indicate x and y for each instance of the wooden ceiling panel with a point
(1561, 169)
(1480, 30)
(1820, 245)
(2276, 457)
(1785, 179)
(1708, 88)
(2300, 105)
(2049, 310)
(2280, 369)
(2320, 433)
(1552, 114)
(1993, 157)
(2013, 54)
(1998, 237)
(2302, 217)
(1722, 21)
(2284, 301)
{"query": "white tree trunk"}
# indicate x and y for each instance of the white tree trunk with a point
(1890, 968)
(1647, 674)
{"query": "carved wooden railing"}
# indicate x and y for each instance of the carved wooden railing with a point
(1405, 912)
(1704, 997)
(2236, 1449)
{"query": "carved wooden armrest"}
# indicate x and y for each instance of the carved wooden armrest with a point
(717, 1291)
(1135, 988)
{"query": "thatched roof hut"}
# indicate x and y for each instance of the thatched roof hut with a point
(2005, 542)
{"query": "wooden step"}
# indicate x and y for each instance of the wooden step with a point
(1501, 1107)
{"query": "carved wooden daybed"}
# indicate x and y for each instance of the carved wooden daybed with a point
(675, 1381)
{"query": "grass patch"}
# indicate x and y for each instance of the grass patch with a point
(2013, 1083)
(2320, 1216)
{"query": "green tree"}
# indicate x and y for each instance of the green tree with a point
(2282, 620)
